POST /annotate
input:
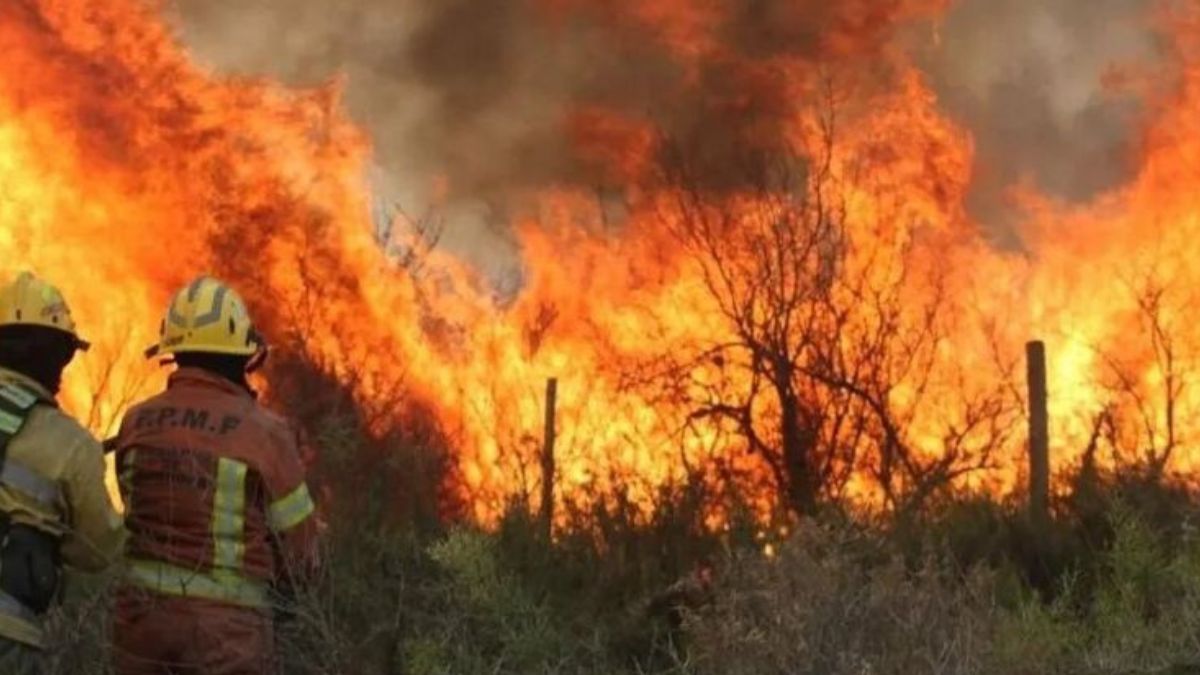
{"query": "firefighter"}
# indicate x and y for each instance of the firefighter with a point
(221, 521)
(54, 507)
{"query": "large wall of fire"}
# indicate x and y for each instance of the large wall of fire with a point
(128, 166)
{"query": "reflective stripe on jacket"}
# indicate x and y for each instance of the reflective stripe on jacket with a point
(53, 480)
(216, 499)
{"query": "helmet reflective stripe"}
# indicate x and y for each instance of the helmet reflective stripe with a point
(207, 316)
(29, 301)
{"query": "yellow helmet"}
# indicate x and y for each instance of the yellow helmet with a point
(207, 316)
(29, 301)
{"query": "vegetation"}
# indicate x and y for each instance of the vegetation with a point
(1112, 585)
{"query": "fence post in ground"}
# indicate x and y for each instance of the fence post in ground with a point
(1039, 433)
(548, 464)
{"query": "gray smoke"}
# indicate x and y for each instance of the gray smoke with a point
(477, 91)
(1026, 77)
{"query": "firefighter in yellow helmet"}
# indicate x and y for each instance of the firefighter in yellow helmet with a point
(54, 508)
(220, 516)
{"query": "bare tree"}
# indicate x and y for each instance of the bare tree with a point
(407, 239)
(831, 334)
(1147, 379)
(117, 377)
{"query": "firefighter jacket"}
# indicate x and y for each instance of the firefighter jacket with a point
(216, 501)
(52, 481)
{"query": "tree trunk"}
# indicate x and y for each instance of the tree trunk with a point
(802, 488)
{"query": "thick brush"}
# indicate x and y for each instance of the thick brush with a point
(1112, 585)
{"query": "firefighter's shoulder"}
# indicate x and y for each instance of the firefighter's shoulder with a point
(53, 426)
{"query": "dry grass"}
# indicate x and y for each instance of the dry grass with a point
(953, 595)
(835, 602)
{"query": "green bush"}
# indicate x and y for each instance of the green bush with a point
(1110, 585)
(1141, 615)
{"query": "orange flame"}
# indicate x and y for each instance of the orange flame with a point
(125, 170)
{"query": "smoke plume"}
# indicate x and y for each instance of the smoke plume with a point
(1027, 78)
(479, 94)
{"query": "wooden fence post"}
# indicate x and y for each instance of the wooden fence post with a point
(1039, 433)
(548, 463)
